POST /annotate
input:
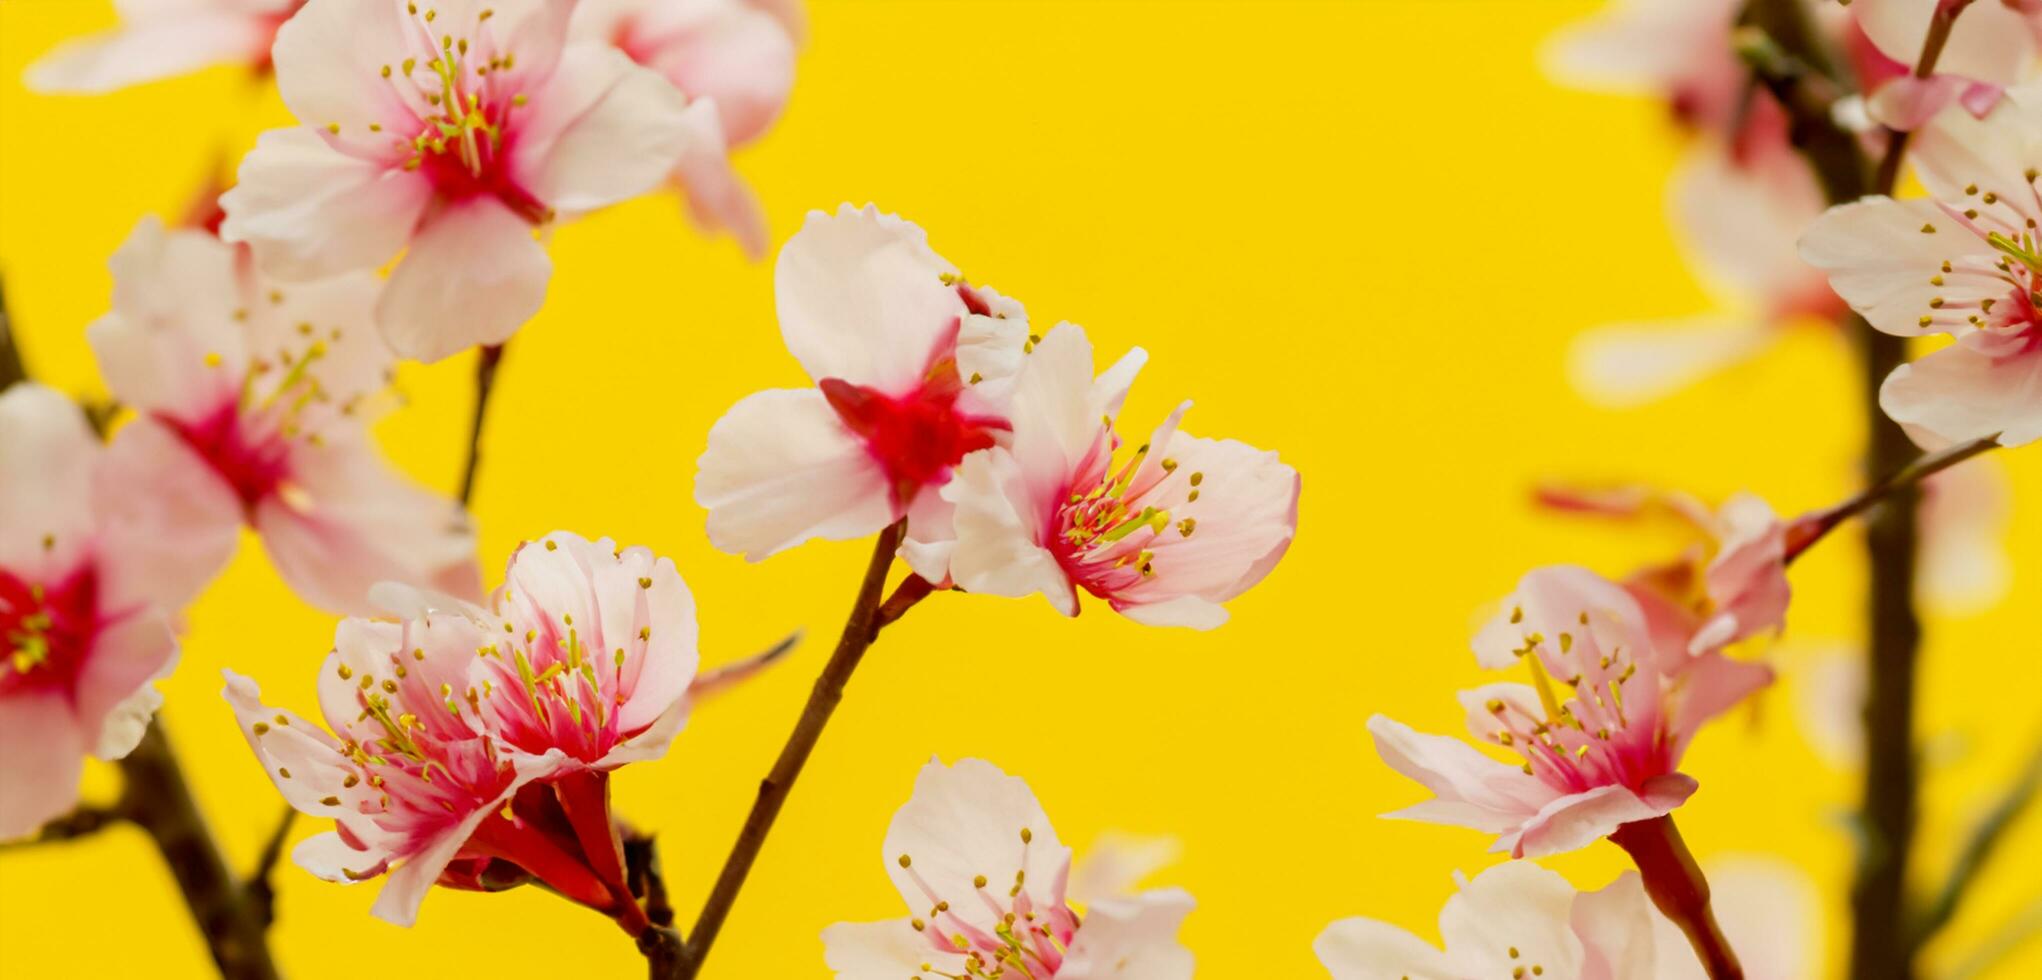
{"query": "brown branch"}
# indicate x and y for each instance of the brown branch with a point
(1940, 23)
(85, 821)
(1814, 527)
(487, 360)
(1677, 886)
(158, 800)
(859, 632)
(261, 893)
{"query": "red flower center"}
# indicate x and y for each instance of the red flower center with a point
(253, 465)
(47, 628)
(916, 437)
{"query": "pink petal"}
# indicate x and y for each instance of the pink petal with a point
(170, 522)
(474, 275)
(1133, 937)
(1575, 821)
(862, 298)
(1473, 790)
(1365, 949)
(1880, 260)
(603, 130)
(47, 455)
(1957, 394)
(310, 211)
(780, 468)
(147, 50)
(39, 772)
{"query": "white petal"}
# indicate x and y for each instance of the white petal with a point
(145, 52)
(967, 820)
(1133, 938)
(1116, 863)
(1513, 906)
(1626, 365)
(886, 950)
(310, 211)
(861, 297)
(1990, 43)
(718, 199)
(1881, 261)
(47, 455)
(997, 551)
(474, 275)
(780, 468)
(603, 130)
(1365, 949)
(39, 775)
(1958, 394)
(1615, 929)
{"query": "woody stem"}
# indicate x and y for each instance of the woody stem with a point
(486, 361)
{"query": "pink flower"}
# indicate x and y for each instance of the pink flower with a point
(1961, 262)
(1513, 920)
(252, 399)
(162, 38)
(1992, 45)
(471, 747)
(1164, 536)
(984, 877)
(1616, 698)
(911, 366)
(89, 572)
(451, 130)
(1741, 220)
(1679, 50)
(736, 54)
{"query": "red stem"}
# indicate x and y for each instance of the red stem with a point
(1677, 887)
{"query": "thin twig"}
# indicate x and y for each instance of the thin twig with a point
(262, 895)
(1816, 526)
(158, 800)
(82, 822)
(487, 360)
(859, 632)
(1940, 23)
(1977, 852)
(647, 882)
(2004, 941)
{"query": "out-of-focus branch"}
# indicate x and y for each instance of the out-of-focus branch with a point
(1978, 850)
(11, 367)
(158, 800)
(262, 895)
(82, 822)
(2016, 932)
(1809, 98)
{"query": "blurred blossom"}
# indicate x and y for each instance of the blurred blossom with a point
(161, 38)
(1677, 50)
(252, 401)
(1961, 262)
(736, 54)
(1741, 221)
(452, 131)
(950, 852)
(1770, 912)
(912, 369)
(1964, 518)
(1992, 45)
(1513, 920)
(1164, 535)
(1615, 699)
(471, 747)
(90, 573)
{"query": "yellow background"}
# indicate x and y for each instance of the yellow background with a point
(1361, 233)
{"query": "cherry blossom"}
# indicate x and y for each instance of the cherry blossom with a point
(984, 876)
(161, 38)
(1615, 698)
(471, 745)
(1678, 50)
(912, 366)
(738, 55)
(90, 572)
(252, 399)
(1512, 920)
(1164, 535)
(454, 131)
(1962, 262)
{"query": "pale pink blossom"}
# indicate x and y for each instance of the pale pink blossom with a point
(736, 54)
(454, 131)
(1520, 920)
(984, 877)
(161, 38)
(1164, 535)
(911, 366)
(1740, 220)
(1961, 262)
(92, 566)
(1678, 50)
(471, 746)
(1965, 510)
(252, 400)
(1616, 697)
(1992, 45)
(1512, 920)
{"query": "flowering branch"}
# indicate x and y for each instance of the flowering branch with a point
(158, 800)
(1940, 23)
(1814, 527)
(486, 360)
(1977, 851)
(1676, 885)
(860, 631)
